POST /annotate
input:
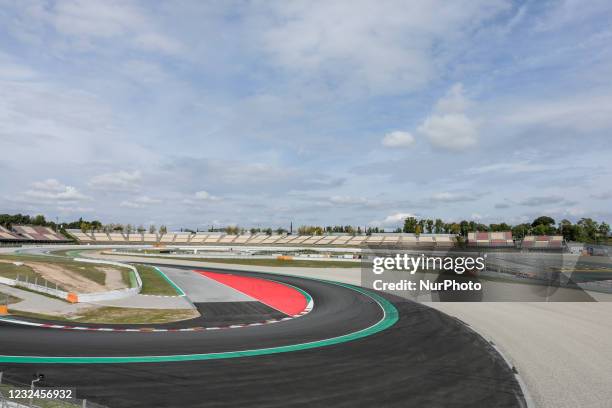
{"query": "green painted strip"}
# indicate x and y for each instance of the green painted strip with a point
(390, 317)
(174, 285)
(133, 281)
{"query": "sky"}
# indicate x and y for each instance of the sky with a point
(262, 113)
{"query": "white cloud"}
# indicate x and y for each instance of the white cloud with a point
(51, 190)
(446, 197)
(453, 131)
(454, 101)
(392, 220)
(84, 22)
(129, 204)
(398, 139)
(117, 181)
(387, 47)
(449, 127)
(205, 196)
(511, 168)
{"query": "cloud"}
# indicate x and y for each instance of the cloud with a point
(51, 190)
(398, 139)
(454, 101)
(84, 22)
(446, 197)
(604, 195)
(117, 181)
(205, 196)
(129, 204)
(502, 205)
(392, 220)
(453, 131)
(541, 200)
(365, 46)
(140, 202)
(448, 127)
(511, 168)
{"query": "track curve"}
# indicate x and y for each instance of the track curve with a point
(425, 359)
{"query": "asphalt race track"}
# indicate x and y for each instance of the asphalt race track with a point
(425, 359)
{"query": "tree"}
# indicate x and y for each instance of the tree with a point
(410, 224)
(438, 226)
(430, 225)
(152, 229)
(417, 230)
(163, 229)
(519, 231)
(544, 220)
(39, 220)
(588, 229)
(232, 230)
(604, 230)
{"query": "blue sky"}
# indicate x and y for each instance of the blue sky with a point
(261, 113)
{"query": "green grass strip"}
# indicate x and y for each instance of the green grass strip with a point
(178, 290)
(390, 317)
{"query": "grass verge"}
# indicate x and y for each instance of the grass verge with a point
(153, 283)
(119, 315)
(4, 298)
(11, 271)
(295, 263)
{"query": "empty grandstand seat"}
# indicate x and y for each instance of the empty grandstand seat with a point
(6, 235)
(313, 240)
(227, 239)
(101, 236)
(80, 235)
(327, 240)
(135, 237)
(341, 240)
(150, 237)
(167, 237)
(117, 237)
(542, 242)
(491, 239)
(272, 239)
(36, 233)
(182, 237)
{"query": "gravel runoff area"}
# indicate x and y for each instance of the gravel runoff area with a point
(563, 351)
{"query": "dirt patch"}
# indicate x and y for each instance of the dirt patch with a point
(71, 281)
(114, 278)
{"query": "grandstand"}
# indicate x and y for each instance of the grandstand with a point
(6, 235)
(491, 239)
(114, 236)
(216, 238)
(542, 242)
(31, 234)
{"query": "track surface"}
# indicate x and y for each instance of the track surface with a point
(426, 359)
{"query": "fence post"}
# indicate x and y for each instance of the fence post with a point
(84, 403)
